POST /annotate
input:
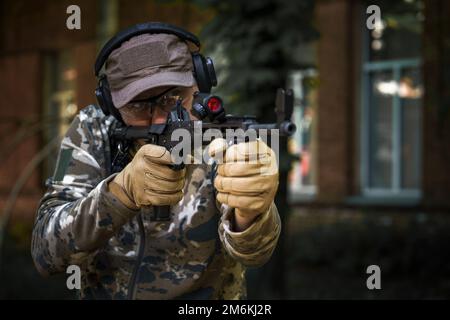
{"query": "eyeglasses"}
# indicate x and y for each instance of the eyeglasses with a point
(165, 101)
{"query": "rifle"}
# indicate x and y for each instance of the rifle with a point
(209, 107)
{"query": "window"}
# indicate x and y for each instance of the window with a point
(303, 173)
(59, 99)
(391, 105)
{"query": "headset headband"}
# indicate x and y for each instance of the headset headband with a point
(143, 28)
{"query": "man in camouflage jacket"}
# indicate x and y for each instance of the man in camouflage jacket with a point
(90, 218)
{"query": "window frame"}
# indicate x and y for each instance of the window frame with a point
(396, 67)
(307, 192)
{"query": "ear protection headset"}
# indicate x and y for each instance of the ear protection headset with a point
(204, 72)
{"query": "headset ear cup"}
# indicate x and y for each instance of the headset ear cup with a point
(201, 73)
(211, 71)
(104, 99)
(102, 95)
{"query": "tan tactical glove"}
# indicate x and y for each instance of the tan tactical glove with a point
(247, 178)
(147, 180)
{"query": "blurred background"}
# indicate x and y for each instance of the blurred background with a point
(365, 181)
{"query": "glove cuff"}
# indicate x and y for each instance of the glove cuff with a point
(117, 190)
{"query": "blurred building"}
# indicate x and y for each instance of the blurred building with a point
(372, 105)
(374, 127)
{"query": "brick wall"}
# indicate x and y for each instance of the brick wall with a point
(19, 101)
(41, 25)
(436, 111)
(335, 100)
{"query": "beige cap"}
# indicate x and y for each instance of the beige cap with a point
(148, 61)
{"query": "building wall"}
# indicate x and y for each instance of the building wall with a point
(335, 100)
(31, 29)
(41, 25)
(339, 63)
(180, 13)
(19, 104)
(436, 116)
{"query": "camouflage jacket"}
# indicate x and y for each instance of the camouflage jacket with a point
(122, 253)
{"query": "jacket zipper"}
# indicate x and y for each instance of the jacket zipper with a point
(134, 276)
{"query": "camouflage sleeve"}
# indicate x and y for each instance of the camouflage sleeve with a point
(254, 246)
(78, 213)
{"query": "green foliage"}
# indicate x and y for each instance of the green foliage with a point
(255, 41)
